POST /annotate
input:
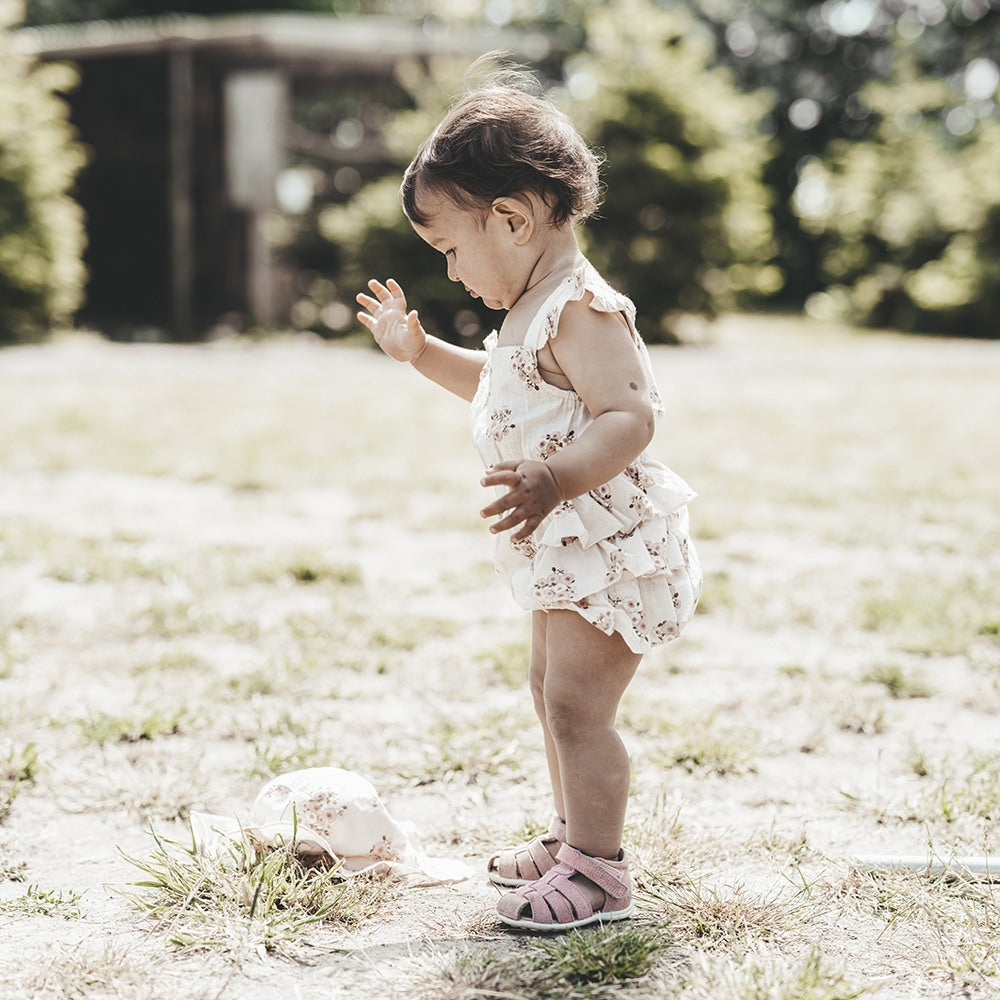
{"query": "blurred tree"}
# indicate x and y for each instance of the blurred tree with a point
(909, 218)
(41, 227)
(817, 58)
(685, 227)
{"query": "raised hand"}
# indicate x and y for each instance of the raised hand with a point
(533, 492)
(398, 332)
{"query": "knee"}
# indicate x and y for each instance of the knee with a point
(567, 715)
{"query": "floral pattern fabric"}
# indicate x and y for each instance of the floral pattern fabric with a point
(621, 555)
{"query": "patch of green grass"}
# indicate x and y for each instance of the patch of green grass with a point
(172, 660)
(768, 977)
(18, 767)
(728, 917)
(899, 682)
(968, 789)
(281, 756)
(11, 870)
(600, 962)
(38, 902)
(104, 728)
(406, 632)
(456, 752)
(862, 716)
(703, 745)
(508, 663)
(928, 613)
(246, 898)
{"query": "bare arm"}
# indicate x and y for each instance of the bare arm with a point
(597, 354)
(401, 335)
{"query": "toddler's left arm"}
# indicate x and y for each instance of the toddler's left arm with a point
(597, 354)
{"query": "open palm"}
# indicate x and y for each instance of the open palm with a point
(396, 331)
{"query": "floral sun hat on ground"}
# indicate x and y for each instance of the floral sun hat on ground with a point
(327, 811)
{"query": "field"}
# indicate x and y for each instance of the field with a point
(222, 562)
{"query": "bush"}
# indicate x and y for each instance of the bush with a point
(685, 227)
(41, 227)
(910, 218)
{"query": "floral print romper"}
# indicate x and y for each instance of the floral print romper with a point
(620, 555)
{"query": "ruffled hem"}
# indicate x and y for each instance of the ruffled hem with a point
(643, 583)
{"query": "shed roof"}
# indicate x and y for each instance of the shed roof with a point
(372, 41)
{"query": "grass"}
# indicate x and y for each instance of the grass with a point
(38, 902)
(18, 767)
(602, 962)
(103, 728)
(770, 977)
(246, 898)
(898, 682)
(199, 593)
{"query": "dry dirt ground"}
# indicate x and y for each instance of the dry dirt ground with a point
(222, 562)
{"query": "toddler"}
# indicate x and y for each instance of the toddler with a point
(592, 533)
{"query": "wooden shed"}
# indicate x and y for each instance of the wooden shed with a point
(188, 129)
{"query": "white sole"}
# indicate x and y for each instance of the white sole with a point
(596, 918)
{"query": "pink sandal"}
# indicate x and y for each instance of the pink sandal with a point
(557, 904)
(526, 863)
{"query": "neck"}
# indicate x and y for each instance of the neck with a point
(555, 262)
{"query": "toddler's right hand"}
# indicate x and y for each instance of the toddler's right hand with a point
(396, 331)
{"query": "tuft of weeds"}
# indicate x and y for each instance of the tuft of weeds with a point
(11, 870)
(318, 571)
(898, 682)
(864, 717)
(971, 791)
(246, 897)
(274, 758)
(958, 918)
(103, 728)
(509, 663)
(726, 751)
(726, 917)
(769, 977)
(601, 962)
(18, 767)
(38, 902)
(459, 753)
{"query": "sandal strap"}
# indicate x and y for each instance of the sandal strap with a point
(611, 879)
(555, 897)
(540, 858)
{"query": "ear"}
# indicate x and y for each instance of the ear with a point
(517, 217)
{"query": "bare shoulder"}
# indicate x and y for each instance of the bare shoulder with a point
(578, 317)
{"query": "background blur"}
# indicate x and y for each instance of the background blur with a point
(172, 171)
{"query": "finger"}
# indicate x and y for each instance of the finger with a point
(501, 477)
(506, 502)
(511, 463)
(381, 292)
(367, 301)
(366, 320)
(527, 530)
(512, 520)
(396, 291)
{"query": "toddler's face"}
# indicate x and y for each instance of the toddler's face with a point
(478, 249)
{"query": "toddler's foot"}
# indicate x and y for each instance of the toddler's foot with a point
(579, 890)
(521, 865)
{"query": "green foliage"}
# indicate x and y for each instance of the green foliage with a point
(685, 226)
(910, 218)
(41, 227)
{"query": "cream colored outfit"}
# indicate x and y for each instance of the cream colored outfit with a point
(619, 555)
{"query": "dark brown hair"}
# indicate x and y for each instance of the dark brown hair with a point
(500, 140)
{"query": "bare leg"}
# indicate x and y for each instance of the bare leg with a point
(537, 680)
(586, 673)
